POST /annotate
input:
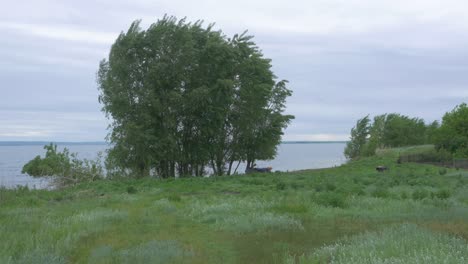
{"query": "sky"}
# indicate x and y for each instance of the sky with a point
(344, 59)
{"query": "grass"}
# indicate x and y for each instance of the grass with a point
(349, 214)
(405, 243)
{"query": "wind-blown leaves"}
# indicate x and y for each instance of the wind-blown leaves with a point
(182, 97)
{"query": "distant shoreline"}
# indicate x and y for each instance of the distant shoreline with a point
(42, 143)
(312, 142)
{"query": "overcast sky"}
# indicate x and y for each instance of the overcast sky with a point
(344, 59)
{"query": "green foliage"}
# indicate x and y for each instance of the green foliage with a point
(380, 193)
(131, 190)
(65, 166)
(359, 135)
(404, 195)
(280, 186)
(150, 252)
(330, 199)
(235, 219)
(443, 194)
(183, 97)
(54, 163)
(400, 130)
(427, 155)
(442, 171)
(431, 132)
(405, 243)
(420, 194)
(453, 133)
(330, 186)
(174, 198)
(388, 131)
(376, 134)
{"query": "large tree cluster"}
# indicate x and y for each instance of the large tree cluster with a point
(388, 131)
(183, 98)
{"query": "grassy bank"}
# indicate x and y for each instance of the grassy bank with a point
(412, 213)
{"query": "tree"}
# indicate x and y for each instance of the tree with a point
(388, 130)
(453, 132)
(376, 134)
(359, 135)
(182, 98)
(66, 167)
(431, 132)
(400, 130)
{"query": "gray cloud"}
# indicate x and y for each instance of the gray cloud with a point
(344, 59)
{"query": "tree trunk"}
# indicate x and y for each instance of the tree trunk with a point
(230, 167)
(238, 163)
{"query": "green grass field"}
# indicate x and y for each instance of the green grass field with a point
(412, 213)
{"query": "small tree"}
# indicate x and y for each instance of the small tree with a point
(64, 166)
(401, 130)
(431, 132)
(358, 140)
(453, 132)
(376, 133)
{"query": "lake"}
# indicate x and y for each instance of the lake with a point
(291, 156)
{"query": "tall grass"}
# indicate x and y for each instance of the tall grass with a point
(401, 216)
(166, 251)
(397, 244)
(243, 215)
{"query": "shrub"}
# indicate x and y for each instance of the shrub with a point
(174, 198)
(65, 166)
(359, 191)
(443, 194)
(295, 185)
(131, 190)
(404, 195)
(420, 194)
(331, 199)
(442, 171)
(380, 193)
(280, 186)
(427, 156)
(318, 188)
(330, 186)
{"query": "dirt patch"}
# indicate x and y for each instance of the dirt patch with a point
(457, 228)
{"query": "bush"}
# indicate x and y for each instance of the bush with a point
(318, 188)
(359, 191)
(131, 190)
(420, 194)
(174, 198)
(404, 195)
(330, 186)
(280, 186)
(443, 194)
(65, 166)
(331, 199)
(380, 193)
(427, 156)
(442, 171)
(295, 185)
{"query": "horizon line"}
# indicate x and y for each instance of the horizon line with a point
(41, 142)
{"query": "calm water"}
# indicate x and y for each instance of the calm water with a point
(290, 157)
